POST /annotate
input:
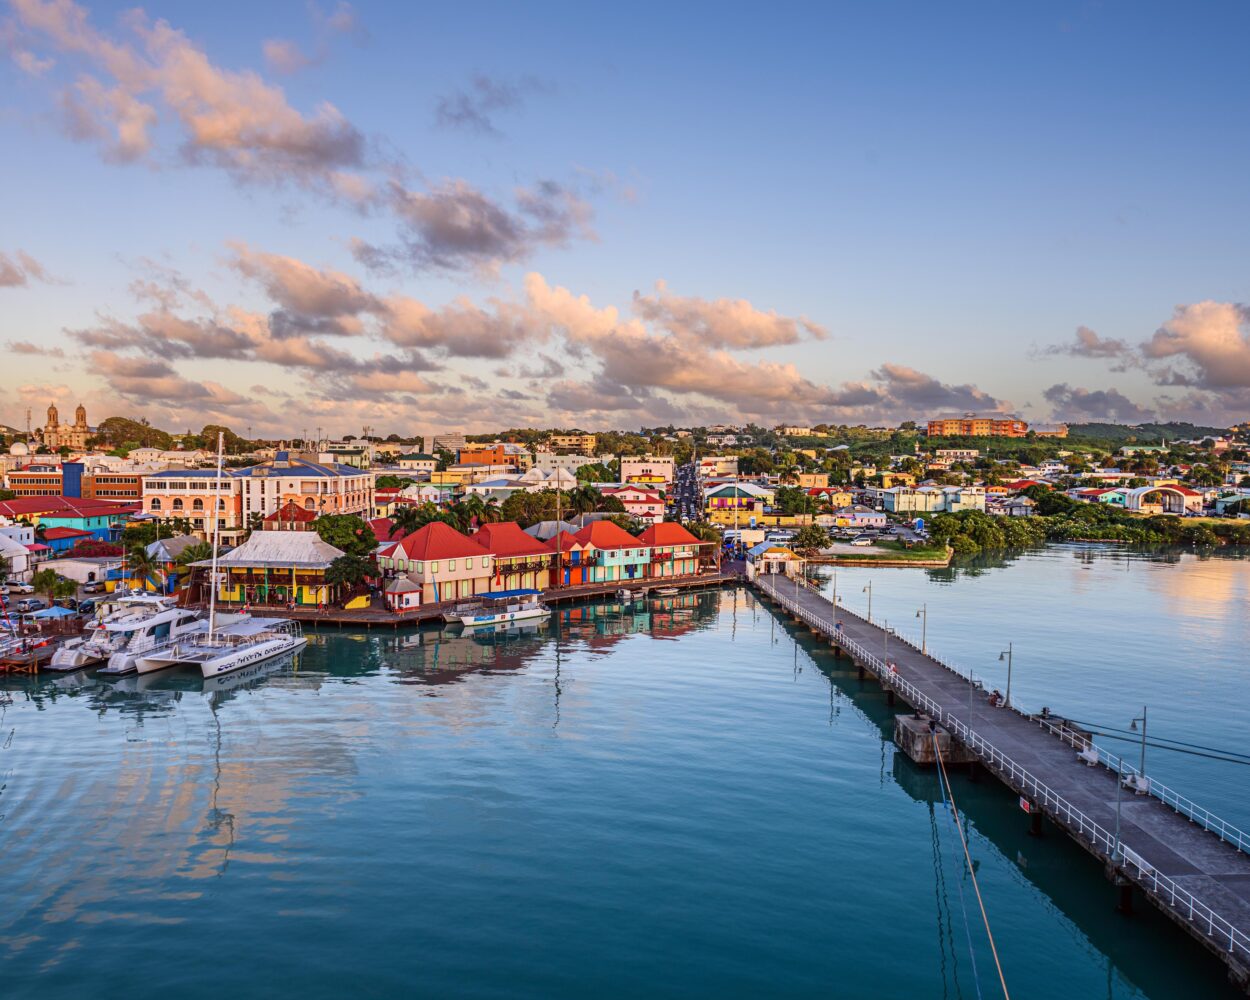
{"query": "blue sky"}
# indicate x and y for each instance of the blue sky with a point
(859, 213)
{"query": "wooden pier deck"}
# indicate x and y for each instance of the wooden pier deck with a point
(1186, 860)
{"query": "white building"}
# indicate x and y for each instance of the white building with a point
(649, 470)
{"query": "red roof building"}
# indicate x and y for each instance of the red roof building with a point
(674, 550)
(606, 535)
(522, 562)
(447, 565)
(291, 516)
(61, 534)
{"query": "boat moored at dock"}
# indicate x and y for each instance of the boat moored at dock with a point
(499, 608)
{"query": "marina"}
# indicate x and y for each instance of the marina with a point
(618, 737)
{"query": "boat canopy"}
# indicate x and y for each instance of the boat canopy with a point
(508, 595)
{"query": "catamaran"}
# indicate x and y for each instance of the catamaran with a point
(243, 642)
(138, 623)
(500, 607)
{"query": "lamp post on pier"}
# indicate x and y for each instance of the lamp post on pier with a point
(1141, 769)
(868, 590)
(1006, 655)
(923, 615)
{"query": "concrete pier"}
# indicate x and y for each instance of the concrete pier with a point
(1181, 856)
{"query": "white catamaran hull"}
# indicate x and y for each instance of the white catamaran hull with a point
(247, 655)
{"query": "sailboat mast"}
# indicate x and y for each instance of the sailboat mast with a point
(216, 541)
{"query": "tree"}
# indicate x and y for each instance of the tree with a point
(810, 539)
(52, 585)
(142, 564)
(348, 532)
(348, 571)
(393, 482)
(594, 474)
(199, 552)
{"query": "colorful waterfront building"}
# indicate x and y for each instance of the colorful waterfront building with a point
(444, 563)
(671, 550)
(522, 562)
(611, 553)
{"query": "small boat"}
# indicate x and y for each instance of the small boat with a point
(628, 595)
(501, 607)
(668, 591)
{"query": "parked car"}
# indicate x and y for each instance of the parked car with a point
(94, 587)
(862, 540)
(86, 607)
(28, 604)
(17, 587)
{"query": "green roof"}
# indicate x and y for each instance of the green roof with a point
(417, 457)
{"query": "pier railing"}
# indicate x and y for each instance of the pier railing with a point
(1097, 838)
(1096, 755)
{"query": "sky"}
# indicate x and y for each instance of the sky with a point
(417, 217)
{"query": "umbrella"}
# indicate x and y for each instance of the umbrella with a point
(56, 611)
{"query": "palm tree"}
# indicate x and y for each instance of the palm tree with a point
(143, 565)
(198, 552)
(585, 499)
(408, 518)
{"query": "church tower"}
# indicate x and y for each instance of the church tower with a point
(52, 429)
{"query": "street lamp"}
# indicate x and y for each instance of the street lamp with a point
(1140, 784)
(1006, 655)
(1119, 784)
(834, 601)
(868, 590)
(886, 632)
(923, 615)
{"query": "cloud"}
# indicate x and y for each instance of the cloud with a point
(26, 347)
(456, 227)
(1078, 404)
(473, 108)
(915, 391)
(312, 300)
(232, 119)
(286, 57)
(1087, 344)
(20, 270)
(723, 322)
(1211, 340)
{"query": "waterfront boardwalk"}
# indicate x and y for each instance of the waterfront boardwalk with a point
(1191, 864)
(379, 616)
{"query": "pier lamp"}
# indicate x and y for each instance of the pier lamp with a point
(886, 632)
(1141, 768)
(868, 590)
(923, 615)
(1006, 655)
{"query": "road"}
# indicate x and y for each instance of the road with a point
(687, 495)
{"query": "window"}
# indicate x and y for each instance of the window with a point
(451, 564)
(433, 567)
(197, 504)
(156, 503)
(420, 567)
(177, 504)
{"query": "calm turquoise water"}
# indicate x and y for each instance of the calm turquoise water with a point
(674, 799)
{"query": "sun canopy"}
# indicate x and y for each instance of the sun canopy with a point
(56, 611)
(507, 595)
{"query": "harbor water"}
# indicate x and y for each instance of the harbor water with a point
(669, 797)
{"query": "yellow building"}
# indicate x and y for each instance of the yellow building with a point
(889, 479)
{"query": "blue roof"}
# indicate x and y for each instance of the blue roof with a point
(505, 595)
